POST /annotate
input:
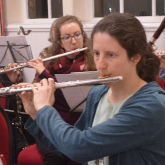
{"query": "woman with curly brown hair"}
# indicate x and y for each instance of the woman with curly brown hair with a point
(66, 34)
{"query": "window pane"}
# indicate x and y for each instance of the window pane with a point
(160, 7)
(57, 9)
(103, 7)
(38, 9)
(138, 8)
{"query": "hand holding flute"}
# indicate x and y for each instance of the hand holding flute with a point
(162, 62)
(161, 55)
(37, 64)
(42, 94)
(13, 74)
(27, 100)
(11, 90)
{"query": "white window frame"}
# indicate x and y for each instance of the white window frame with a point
(143, 19)
(88, 14)
(38, 20)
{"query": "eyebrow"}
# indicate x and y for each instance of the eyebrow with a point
(110, 52)
(73, 33)
(106, 52)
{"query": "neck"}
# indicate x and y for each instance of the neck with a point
(122, 90)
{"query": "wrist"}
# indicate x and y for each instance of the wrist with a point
(40, 70)
(38, 107)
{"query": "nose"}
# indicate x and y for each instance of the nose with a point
(101, 63)
(73, 40)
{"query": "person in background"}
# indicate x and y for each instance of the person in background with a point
(14, 105)
(7, 79)
(66, 34)
(123, 122)
(162, 67)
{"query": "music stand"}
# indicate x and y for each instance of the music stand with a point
(76, 96)
(14, 49)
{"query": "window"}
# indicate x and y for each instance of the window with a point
(160, 7)
(136, 7)
(44, 9)
(103, 7)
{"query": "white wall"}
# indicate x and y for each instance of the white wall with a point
(38, 39)
(13, 11)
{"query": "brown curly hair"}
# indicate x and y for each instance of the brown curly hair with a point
(56, 40)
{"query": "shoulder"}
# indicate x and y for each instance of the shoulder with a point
(149, 101)
(145, 108)
(151, 92)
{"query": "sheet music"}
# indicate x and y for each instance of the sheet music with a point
(75, 95)
(18, 52)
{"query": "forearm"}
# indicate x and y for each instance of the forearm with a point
(36, 132)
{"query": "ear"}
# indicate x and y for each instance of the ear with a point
(136, 58)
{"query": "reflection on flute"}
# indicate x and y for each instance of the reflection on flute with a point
(10, 90)
(22, 65)
(160, 53)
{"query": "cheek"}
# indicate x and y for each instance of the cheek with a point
(65, 46)
(62, 45)
(81, 43)
(95, 61)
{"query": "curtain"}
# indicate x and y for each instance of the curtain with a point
(2, 31)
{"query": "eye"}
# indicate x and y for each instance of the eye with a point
(96, 53)
(110, 54)
(77, 34)
(65, 37)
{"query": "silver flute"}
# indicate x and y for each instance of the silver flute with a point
(160, 54)
(10, 90)
(22, 65)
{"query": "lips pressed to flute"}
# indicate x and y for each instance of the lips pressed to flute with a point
(10, 90)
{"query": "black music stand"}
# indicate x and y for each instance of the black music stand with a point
(14, 49)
